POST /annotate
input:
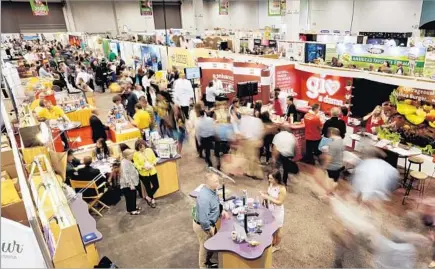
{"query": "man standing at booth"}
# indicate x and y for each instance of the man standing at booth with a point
(183, 93)
(313, 133)
(205, 216)
(51, 112)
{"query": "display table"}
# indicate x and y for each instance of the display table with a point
(167, 172)
(392, 152)
(82, 115)
(127, 133)
(241, 255)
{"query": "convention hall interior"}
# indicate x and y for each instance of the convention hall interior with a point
(217, 133)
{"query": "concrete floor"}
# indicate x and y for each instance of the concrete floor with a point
(163, 237)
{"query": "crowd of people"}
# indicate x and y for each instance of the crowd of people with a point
(239, 139)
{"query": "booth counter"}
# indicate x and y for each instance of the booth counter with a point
(81, 115)
(167, 172)
(127, 133)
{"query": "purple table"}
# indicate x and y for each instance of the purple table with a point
(222, 241)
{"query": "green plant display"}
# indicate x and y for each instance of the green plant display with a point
(384, 133)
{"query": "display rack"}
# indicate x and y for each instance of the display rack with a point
(61, 232)
(71, 102)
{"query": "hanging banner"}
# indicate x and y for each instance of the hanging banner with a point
(328, 91)
(283, 7)
(364, 55)
(287, 80)
(220, 68)
(151, 57)
(274, 7)
(146, 8)
(39, 8)
(19, 246)
(429, 44)
(224, 6)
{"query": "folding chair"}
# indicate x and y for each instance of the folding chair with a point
(91, 200)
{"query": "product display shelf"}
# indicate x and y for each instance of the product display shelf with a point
(61, 232)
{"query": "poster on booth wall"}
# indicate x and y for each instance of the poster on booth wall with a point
(74, 40)
(151, 57)
(364, 55)
(39, 8)
(429, 44)
(293, 51)
(283, 7)
(224, 7)
(274, 7)
(220, 68)
(146, 8)
(287, 80)
(19, 246)
(328, 91)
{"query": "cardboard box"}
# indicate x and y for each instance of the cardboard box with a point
(11, 170)
(7, 156)
(5, 175)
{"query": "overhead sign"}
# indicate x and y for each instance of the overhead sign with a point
(274, 7)
(146, 7)
(224, 6)
(39, 8)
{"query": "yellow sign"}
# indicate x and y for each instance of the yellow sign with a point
(180, 57)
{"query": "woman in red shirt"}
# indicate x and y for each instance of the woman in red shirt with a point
(373, 119)
(344, 114)
(277, 105)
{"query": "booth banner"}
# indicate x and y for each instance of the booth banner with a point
(180, 58)
(429, 44)
(106, 47)
(293, 51)
(19, 246)
(220, 68)
(287, 80)
(39, 8)
(364, 55)
(151, 57)
(146, 8)
(328, 91)
(224, 7)
(425, 96)
(274, 7)
(74, 40)
(114, 47)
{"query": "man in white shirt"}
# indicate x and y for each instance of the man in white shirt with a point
(283, 151)
(82, 74)
(183, 94)
(210, 94)
(217, 83)
(252, 131)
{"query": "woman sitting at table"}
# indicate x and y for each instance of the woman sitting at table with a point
(145, 162)
(275, 198)
(374, 119)
(102, 151)
(129, 181)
